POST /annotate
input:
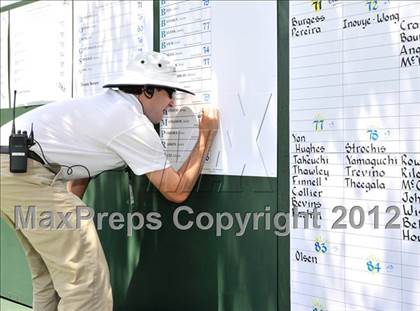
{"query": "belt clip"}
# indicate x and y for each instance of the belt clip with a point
(56, 177)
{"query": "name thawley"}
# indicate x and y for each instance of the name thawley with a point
(316, 171)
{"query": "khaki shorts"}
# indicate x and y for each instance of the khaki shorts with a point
(68, 266)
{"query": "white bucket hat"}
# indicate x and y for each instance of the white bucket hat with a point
(150, 68)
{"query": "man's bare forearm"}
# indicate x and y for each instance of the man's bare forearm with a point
(176, 186)
(192, 167)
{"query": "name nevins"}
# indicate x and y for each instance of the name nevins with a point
(306, 26)
(305, 203)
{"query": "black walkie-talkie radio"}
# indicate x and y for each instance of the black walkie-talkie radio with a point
(19, 144)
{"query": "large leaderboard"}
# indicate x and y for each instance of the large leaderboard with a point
(230, 63)
(41, 46)
(107, 36)
(76, 47)
(355, 155)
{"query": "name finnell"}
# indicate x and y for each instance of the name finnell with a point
(316, 182)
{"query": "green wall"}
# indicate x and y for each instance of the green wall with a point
(169, 269)
(186, 270)
(283, 199)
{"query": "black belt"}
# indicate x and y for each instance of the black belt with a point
(31, 154)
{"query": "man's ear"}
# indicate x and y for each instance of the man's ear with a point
(149, 91)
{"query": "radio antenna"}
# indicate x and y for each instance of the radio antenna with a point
(14, 113)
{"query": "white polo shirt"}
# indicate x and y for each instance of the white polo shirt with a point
(95, 134)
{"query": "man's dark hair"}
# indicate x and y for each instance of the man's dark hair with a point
(148, 90)
(131, 89)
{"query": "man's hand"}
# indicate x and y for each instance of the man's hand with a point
(78, 186)
(208, 126)
(209, 118)
(176, 186)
